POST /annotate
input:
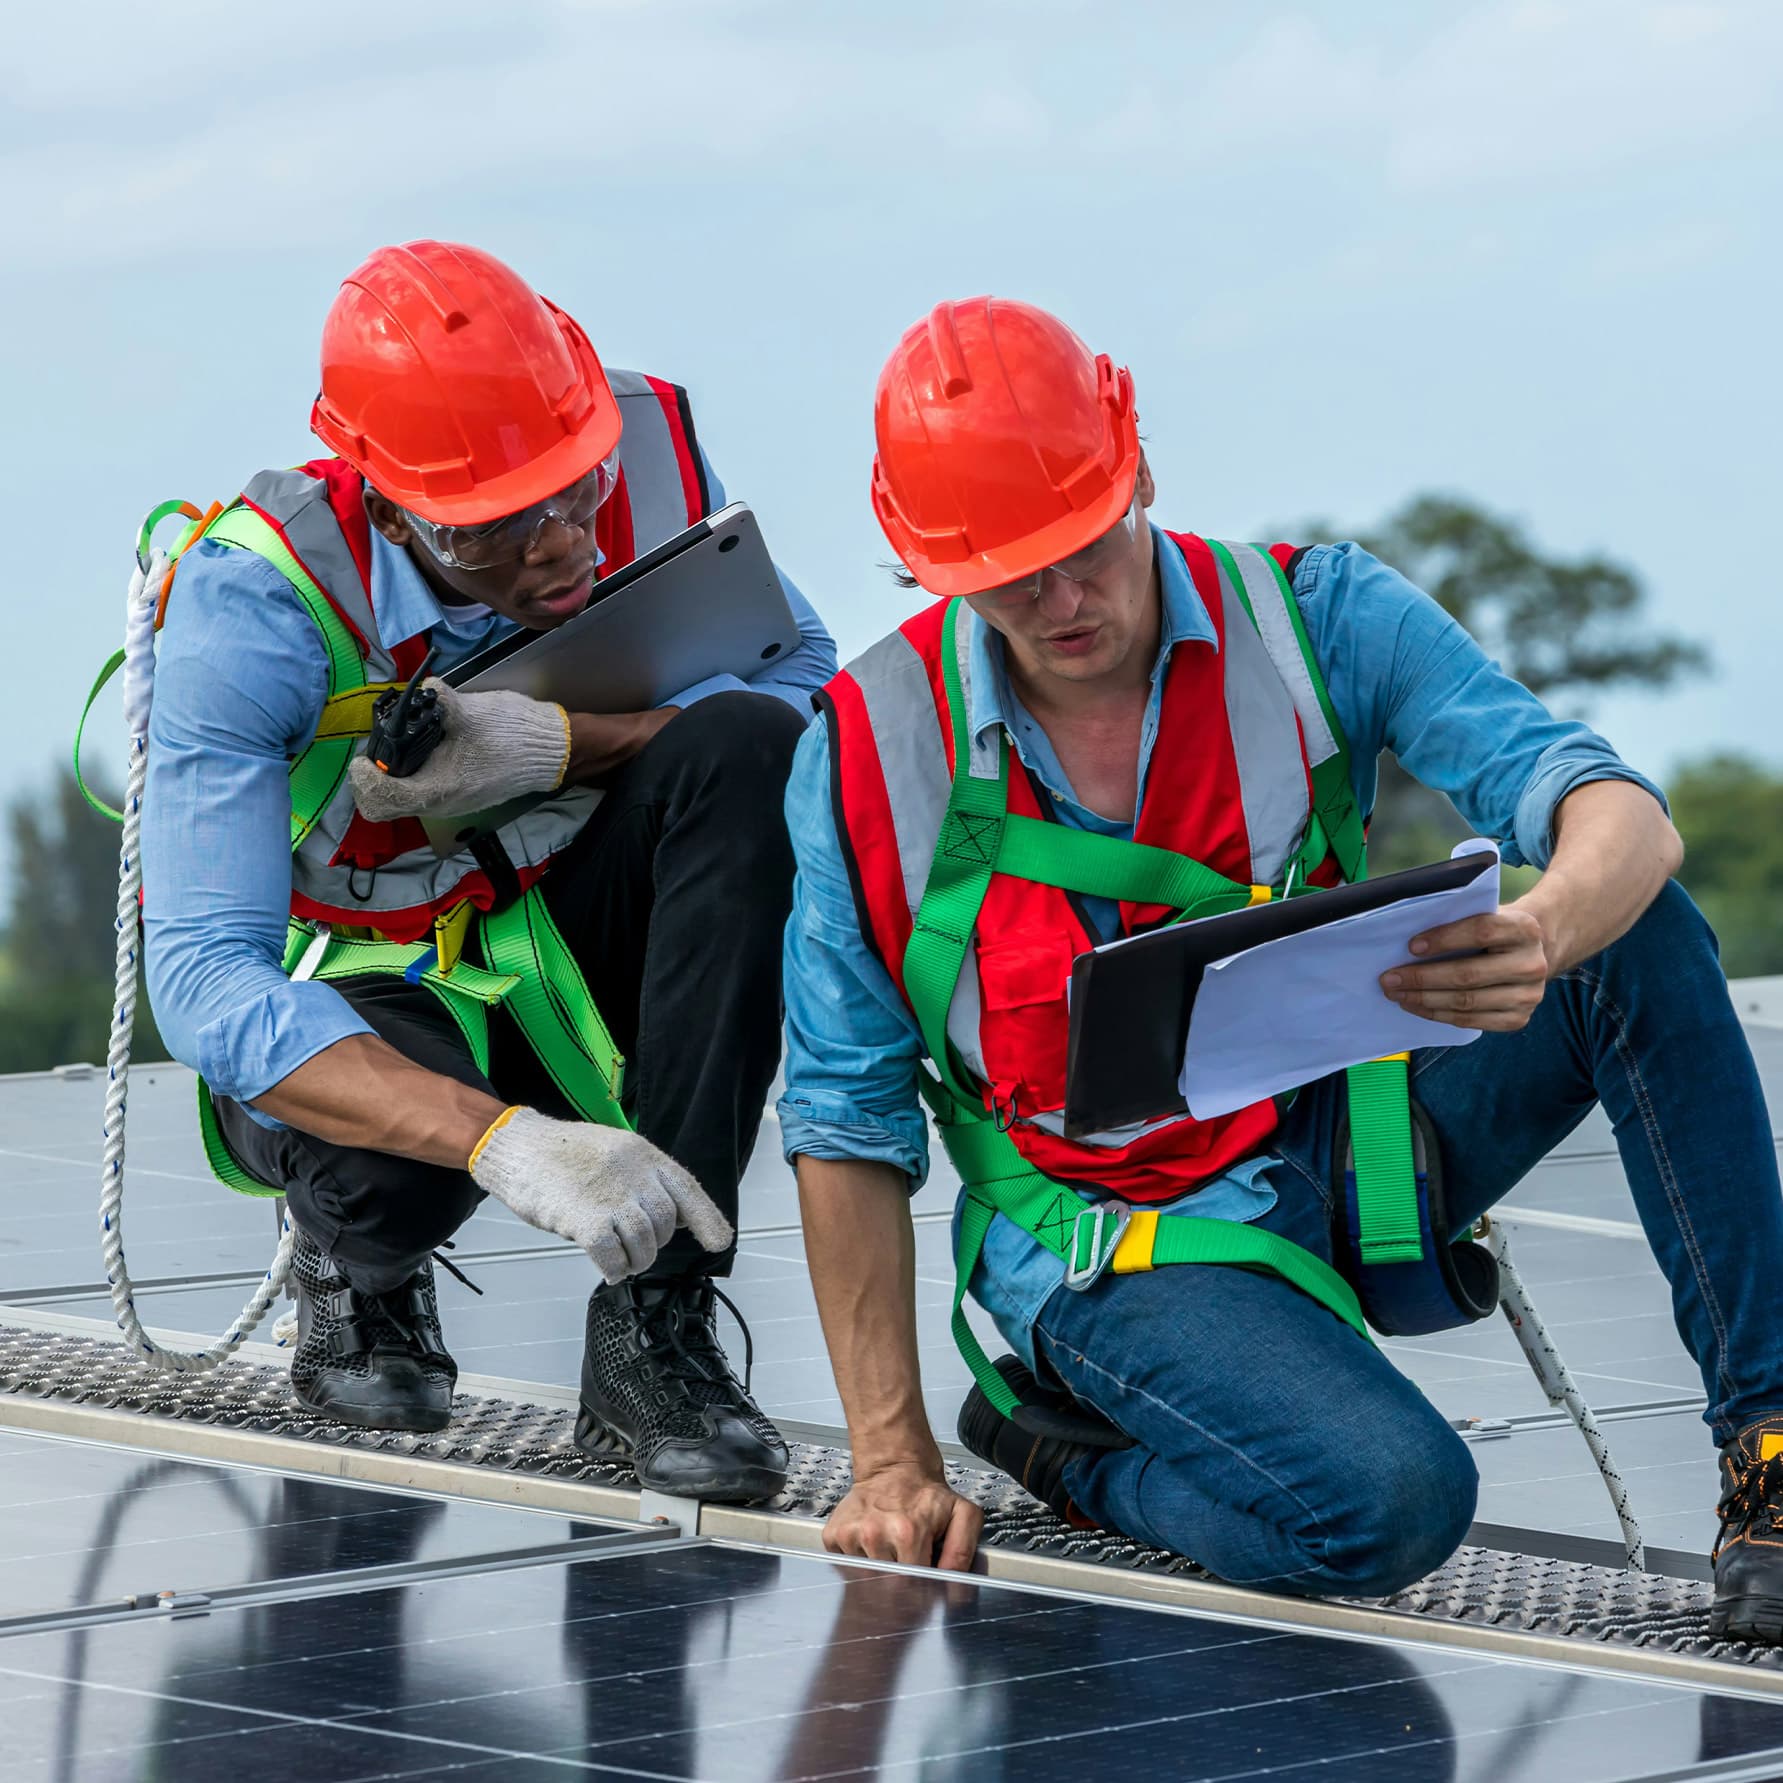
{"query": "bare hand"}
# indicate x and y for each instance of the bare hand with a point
(906, 1514)
(602, 743)
(1496, 990)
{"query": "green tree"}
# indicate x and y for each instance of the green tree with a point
(1568, 629)
(1730, 811)
(58, 945)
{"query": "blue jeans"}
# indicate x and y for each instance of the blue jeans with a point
(1281, 1451)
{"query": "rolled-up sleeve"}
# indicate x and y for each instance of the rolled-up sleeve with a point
(239, 686)
(852, 1046)
(1404, 675)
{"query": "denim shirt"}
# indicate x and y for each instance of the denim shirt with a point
(240, 682)
(1402, 675)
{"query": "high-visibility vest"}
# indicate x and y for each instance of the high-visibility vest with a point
(404, 910)
(1230, 785)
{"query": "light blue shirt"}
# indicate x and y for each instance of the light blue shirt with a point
(1402, 675)
(240, 683)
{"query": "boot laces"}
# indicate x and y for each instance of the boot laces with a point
(1753, 1504)
(679, 1329)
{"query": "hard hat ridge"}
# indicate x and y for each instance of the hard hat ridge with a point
(1004, 444)
(457, 390)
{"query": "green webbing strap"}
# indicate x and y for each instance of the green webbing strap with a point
(979, 837)
(1333, 793)
(551, 1003)
(113, 663)
(1107, 867)
(218, 1155)
(966, 851)
(467, 995)
(316, 775)
(1000, 1180)
(1386, 1173)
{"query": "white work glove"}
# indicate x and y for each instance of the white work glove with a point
(610, 1191)
(495, 746)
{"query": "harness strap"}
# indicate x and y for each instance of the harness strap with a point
(978, 838)
(317, 773)
(1333, 792)
(467, 993)
(550, 1002)
(1093, 1238)
(529, 966)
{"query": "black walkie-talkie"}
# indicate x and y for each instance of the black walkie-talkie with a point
(406, 724)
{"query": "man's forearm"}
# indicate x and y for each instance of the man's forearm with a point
(1614, 849)
(861, 1250)
(362, 1092)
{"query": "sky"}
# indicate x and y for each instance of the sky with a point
(1511, 249)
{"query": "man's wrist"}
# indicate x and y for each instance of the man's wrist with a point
(913, 1449)
(1547, 913)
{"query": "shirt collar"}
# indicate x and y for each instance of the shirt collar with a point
(402, 602)
(991, 703)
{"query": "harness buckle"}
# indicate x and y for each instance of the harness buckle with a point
(1088, 1259)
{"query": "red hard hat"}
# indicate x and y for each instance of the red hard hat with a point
(452, 387)
(1005, 444)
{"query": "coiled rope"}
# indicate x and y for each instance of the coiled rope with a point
(138, 657)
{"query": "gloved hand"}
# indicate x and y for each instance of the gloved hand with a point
(610, 1191)
(495, 746)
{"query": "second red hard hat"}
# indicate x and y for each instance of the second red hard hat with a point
(1005, 444)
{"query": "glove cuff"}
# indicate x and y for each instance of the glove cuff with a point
(539, 749)
(495, 1126)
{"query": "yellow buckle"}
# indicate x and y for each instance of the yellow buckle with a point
(450, 928)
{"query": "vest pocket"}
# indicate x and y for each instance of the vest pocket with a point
(1025, 1020)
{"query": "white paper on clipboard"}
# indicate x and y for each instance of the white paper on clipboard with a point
(1290, 1011)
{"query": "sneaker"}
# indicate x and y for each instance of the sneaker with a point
(377, 1361)
(657, 1390)
(1748, 1556)
(1054, 1430)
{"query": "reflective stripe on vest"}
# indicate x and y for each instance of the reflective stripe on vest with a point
(387, 876)
(1228, 709)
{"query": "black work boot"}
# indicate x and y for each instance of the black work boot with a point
(375, 1360)
(1748, 1553)
(658, 1391)
(1049, 1431)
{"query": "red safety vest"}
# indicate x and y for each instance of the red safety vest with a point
(1229, 784)
(385, 876)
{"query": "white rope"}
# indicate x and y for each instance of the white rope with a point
(139, 674)
(1557, 1384)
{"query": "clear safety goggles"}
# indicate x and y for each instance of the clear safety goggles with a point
(1097, 556)
(508, 539)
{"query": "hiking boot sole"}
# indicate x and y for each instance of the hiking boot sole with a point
(376, 1417)
(601, 1441)
(1754, 1617)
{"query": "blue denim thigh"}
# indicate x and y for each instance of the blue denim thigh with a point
(1274, 1446)
(1647, 1028)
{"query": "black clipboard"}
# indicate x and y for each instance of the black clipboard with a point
(1130, 1004)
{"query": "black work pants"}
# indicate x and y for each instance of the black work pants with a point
(673, 899)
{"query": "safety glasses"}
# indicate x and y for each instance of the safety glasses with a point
(1094, 559)
(507, 540)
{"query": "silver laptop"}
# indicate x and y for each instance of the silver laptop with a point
(706, 602)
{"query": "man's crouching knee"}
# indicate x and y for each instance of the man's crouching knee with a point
(1411, 1512)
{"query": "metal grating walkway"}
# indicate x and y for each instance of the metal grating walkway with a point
(1514, 1594)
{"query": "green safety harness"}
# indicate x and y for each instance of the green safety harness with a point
(524, 962)
(979, 837)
